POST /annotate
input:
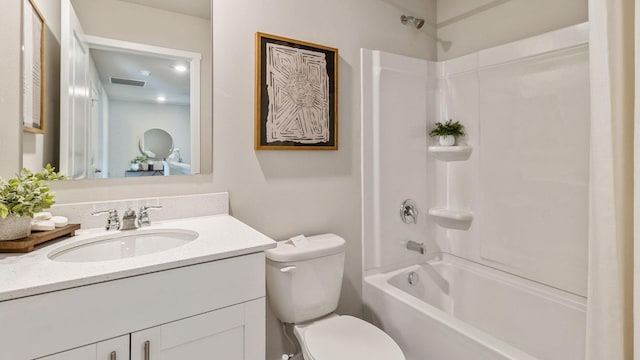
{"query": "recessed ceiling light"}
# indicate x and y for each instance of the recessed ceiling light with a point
(161, 99)
(145, 72)
(180, 68)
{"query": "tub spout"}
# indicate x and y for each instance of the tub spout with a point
(414, 246)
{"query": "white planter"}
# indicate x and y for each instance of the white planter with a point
(15, 227)
(448, 140)
(135, 167)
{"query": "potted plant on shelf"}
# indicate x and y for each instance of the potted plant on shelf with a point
(447, 132)
(136, 163)
(22, 196)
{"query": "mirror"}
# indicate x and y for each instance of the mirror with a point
(156, 144)
(129, 70)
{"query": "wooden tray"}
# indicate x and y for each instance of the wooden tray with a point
(27, 244)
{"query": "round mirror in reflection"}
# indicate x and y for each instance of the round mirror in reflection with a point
(156, 144)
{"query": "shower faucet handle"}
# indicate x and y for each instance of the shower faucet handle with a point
(409, 212)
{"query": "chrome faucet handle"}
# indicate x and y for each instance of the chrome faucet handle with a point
(130, 220)
(409, 212)
(113, 221)
(143, 214)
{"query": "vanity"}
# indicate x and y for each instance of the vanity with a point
(180, 289)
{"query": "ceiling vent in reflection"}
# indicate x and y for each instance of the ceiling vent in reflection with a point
(128, 82)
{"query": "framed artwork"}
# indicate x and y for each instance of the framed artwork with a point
(296, 104)
(33, 32)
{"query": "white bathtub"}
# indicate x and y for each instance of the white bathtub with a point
(460, 310)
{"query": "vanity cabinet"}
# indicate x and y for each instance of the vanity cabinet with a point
(112, 349)
(208, 310)
(229, 334)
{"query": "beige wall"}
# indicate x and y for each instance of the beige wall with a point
(10, 160)
(285, 193)
(466, 26)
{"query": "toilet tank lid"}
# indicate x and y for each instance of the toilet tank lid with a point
(315, 247)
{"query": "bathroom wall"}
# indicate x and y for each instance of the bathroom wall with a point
(398, 104)
(285, 193)
(129, 120)
(525, 109)
(466, 26)
(10, 70)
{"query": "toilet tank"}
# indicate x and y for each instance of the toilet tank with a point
(304, 277)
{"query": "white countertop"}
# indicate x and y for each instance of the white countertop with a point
(221, 236)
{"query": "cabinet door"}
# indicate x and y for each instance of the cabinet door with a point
(112, 349)
(233, 333)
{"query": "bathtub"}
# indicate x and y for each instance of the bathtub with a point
(460, 310)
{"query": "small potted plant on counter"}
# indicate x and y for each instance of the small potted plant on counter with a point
(22, 196)
(447, 132)
(137, 162)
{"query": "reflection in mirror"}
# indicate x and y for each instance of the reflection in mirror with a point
(133, 87)
(156, 144)
(124, 69)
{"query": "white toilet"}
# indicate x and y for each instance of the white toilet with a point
(303, 281)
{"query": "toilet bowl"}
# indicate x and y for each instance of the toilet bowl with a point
(345, 337)
(304, 277)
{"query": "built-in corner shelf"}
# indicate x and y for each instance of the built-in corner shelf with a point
(451, 219)
(451, 153)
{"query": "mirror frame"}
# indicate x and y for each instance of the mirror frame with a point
(194, 60)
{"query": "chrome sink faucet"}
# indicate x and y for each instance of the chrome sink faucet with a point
(143, 214)
(130, 220)
(113, 221)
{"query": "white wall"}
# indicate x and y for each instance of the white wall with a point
(526, 182)
(466, 26)
(129, 120)
(398, 104)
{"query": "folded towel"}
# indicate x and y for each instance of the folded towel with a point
(42, 225)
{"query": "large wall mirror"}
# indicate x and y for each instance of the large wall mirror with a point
(130, 72)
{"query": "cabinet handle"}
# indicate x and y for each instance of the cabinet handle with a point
(112, 356)
(147, 350)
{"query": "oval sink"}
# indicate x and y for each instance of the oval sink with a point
(124, 244)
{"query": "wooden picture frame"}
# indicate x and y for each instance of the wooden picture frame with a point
(33, 65)
(296, 104)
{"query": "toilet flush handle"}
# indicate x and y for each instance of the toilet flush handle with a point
(288, 269)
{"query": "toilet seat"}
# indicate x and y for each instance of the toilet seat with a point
(346, 338)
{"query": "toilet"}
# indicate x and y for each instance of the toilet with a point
(304, 277)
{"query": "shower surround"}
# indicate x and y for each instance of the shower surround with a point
(512, 201)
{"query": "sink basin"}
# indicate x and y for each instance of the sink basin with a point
(123, 244)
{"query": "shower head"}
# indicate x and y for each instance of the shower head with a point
(418, 23)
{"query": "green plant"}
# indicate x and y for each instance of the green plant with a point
(27, 193)
(140, 159)
(448, 128)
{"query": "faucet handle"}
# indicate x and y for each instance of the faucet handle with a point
(143, 215)
(113, 221)
(409, 212)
